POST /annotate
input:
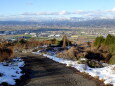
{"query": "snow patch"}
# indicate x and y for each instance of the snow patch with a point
(106, 73)
(11, 71)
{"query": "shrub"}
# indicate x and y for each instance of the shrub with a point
(27, 44)
(6, 54)
(57, 43)
(64, 42)
(112, 60)
(70, 54)
(94, 56)
(112, 48)
(23, 41)
(107, 44)
(110, 39)
(98, 41)
(94, 64)
(53, 41)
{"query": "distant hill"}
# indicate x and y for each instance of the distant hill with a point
(65, 23)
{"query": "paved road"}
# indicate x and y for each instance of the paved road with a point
(46, 72)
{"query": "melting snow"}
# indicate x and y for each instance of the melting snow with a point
(106, 73)
(11, 71)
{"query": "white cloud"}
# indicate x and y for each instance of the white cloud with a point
(47, 13)
(78, 12)
(113, 9)
(104, 14)
(64, 13)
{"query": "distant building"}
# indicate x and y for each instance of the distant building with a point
(33, 34)
(57, 35)
(26, 33)
(74, 36)
(51, 35)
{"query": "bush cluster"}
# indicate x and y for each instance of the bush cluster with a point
(7, 48)
(64, 42)
(29, 44)
(70, 54)
(98, 41)
(109, 42)
(6, 54)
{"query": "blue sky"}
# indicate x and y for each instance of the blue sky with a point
(22, 9)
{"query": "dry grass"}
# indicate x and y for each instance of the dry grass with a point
(70, 54)
(6, 54)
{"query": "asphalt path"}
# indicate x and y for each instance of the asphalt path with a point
(43, 71)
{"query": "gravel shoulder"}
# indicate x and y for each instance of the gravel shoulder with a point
(46, 72)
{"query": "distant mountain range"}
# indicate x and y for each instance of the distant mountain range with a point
(72, 22)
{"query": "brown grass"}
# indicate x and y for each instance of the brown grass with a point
(6, 54)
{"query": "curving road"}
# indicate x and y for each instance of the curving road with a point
(46, 72)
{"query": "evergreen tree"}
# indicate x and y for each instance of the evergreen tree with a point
(99, 41)
(110, 39)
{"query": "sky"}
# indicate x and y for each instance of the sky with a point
(36, 9)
